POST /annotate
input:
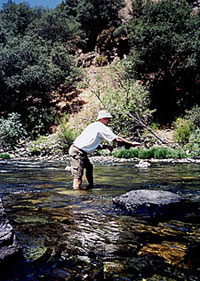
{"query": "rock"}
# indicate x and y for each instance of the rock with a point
(8, 242)
(143, 165)
(68, 168)
(148, 202)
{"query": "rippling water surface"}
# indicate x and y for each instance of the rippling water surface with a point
(81, 235)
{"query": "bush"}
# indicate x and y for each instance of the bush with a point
(146, 153)
(183, 131)
(126, 153)
(154, 152)
(101, 60)
(39, 120)
(11, 130)
(44, 145)
(127, 100)
(194, 143)
(66, 134)
(194, 116)
(5, 156)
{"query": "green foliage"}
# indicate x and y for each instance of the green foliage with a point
(194, 116)
(4, 156)
(106, 42)
(94, 16)
(66, 134)
(155, 126)
(153, 152)
(101, 60)
(127, 100)
(126, 153)
(16, 18)
(35, 47)
(56, 26)
(194, 142)
(183, 131)
(164, 40)
(29, 66)
(39, 119)
(11, 130)
(44, 145)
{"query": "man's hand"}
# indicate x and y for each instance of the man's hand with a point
(127, 142)
(135, 143)
(110, 147)
(107, 146)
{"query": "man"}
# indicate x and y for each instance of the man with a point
(86, 143)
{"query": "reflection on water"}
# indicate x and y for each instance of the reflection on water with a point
(80, 235)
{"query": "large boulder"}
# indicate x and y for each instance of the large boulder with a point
(8, 243)
(148, 202)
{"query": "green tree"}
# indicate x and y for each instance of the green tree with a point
(16, 18)
(55, 26)
(30, 70)
(127, 100)
(94, 16)
(164, 39)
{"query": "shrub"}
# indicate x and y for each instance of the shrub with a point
(161, 153)
(127, 100)
(5, 156)
(66, 134)
(44, 145)
(39, 120)
(183, 131)
(194, 116)
(126, 153)
(194, 142)
(153, 152)
(11, 130)
(146, 153)
(101, 60)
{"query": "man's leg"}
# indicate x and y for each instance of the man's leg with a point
(89, 173)
(77, 184)
(76, 160)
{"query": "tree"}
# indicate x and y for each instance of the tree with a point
(35, 46)
(16, 18)
(164, 39)
(94, 16)
(55, 26)
(127, 100)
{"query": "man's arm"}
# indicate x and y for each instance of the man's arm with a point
(122, 140)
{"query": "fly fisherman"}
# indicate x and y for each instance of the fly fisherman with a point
(86, 143)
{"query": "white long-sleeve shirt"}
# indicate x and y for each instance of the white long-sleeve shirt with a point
(92, 136)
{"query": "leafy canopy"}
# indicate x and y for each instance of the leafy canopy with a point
(164, 39)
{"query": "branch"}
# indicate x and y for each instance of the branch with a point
(143, 124)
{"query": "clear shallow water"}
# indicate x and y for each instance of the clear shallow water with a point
(81, 235)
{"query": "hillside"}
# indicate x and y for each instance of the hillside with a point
(88, 104)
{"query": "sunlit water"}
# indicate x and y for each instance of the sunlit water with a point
(81, 235)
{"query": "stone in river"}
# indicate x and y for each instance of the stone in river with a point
(8, 243)
(148, 202)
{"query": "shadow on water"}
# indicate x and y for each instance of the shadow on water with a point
(81, 235)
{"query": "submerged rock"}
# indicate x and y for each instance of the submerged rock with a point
(8, 242)
(143, 165)
(148, 202)
(68, 168)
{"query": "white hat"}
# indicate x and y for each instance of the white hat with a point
(103, 114)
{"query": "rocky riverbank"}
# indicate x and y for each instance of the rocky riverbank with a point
(104, 160)
(52, 150)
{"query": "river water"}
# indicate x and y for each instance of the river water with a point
(81, 235)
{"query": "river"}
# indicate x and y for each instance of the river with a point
(81, 235)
